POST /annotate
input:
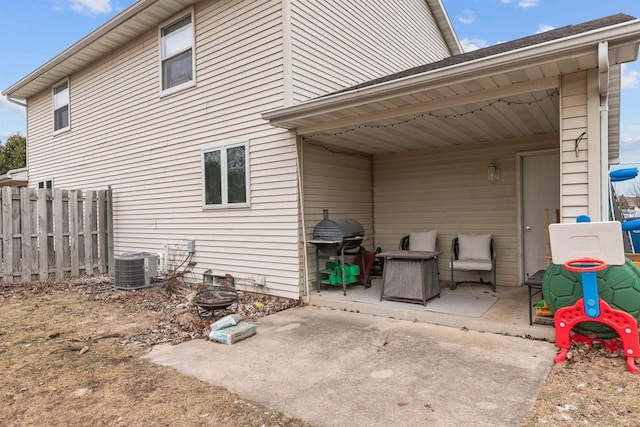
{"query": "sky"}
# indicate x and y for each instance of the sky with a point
(38, 30)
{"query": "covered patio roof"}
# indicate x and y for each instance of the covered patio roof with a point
(505, 91)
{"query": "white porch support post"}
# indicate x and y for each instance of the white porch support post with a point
(594, 153)
(305, 258)
(603, 85)
(580, 154)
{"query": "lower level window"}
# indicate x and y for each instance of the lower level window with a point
(226, 176)
(47, 183)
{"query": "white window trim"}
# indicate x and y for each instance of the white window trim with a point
(223, 161)
(192, 82)
(53, 107)
(44, 182)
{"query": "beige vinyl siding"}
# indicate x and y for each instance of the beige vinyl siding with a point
(340, 183)
(336, 44)
(149, 149)
(580, 176)
(447, 189)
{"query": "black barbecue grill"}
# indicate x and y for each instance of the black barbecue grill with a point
(332, 238)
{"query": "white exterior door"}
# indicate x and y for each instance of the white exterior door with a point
(540, 174)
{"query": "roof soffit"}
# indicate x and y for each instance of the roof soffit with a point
(137, 19)
(445, 26)
(140, 17)
(553, 58)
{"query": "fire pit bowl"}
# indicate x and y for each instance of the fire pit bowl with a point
(214, 298)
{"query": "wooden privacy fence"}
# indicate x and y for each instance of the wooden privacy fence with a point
(54, 234)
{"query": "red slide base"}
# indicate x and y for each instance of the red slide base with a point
(622, 322)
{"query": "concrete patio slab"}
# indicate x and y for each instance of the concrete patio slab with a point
(336, 368)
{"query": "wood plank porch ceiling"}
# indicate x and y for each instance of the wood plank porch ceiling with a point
(501, 92)
(489, 109)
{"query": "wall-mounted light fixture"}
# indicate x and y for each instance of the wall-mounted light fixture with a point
(493, 172)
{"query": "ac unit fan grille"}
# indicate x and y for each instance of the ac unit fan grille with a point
(134, 271)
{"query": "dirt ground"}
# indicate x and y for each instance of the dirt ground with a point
(593, 387)
(69, 355)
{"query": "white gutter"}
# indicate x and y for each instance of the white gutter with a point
(503, 62)
(94, 36)
(15, 101)
(603, 83)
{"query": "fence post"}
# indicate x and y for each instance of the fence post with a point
(25, 222)
(7, 234)
(88, 235)
(43, 235)
(112, 265)
(73, 232)
(58, 232)
(102, 231)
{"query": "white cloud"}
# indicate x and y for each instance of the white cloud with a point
(630, 150)
(525, 4)
(506, 1)
(5, 106)
(472, 44)
(629, 139)
(467, 16)
(630, 78)
(544, 27)
(91, 7)
(12, 120)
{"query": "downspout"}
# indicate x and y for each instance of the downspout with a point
(305, 258)
(24, 105)
(603, 83)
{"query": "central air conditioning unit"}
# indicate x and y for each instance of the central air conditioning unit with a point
(135, 270)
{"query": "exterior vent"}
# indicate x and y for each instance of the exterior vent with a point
(135, 270)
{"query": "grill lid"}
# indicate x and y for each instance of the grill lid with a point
(337, 230)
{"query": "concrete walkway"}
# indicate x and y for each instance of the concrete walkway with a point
(336, 368)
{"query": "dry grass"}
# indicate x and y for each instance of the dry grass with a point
(70, 356)
(591, 388)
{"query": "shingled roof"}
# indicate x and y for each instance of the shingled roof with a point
(555, 34)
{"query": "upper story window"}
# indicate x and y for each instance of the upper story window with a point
(225, 176)
(61, 106)
(177, 62)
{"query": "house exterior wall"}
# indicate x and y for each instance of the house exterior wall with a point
(337, 44)
(149, 149)
(343, 185)
(580, 189)
(251, 57)
(447, 190)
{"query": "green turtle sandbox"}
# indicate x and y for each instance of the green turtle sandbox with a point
(618, 285)
(587, 248)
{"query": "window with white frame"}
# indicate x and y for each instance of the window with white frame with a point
(225, 176)
(61, 106)
(47, 184)
(177, 62)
